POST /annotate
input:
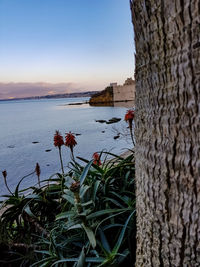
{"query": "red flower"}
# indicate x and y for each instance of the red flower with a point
(70, 140)
(129, 115)
(58, 139)
(96, 158)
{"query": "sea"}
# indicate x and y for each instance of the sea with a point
(27, 130)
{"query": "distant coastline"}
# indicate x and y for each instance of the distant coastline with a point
(69, 95)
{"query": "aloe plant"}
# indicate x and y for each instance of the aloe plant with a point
(84, 217)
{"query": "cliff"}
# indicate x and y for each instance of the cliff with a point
(105, 96)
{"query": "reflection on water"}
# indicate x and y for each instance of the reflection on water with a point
(123, 104)
(75, 105)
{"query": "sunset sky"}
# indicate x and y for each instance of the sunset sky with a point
(58, 46)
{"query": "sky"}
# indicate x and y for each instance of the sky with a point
(58, 46)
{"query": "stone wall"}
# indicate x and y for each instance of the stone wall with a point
(124, 92)
(115, 93)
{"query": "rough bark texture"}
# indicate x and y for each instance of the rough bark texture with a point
(167, 37)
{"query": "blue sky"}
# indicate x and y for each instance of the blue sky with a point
(84, 43)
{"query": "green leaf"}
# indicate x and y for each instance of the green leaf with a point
(65, 215)
(103, 212)
(75, 226)
(34, 196)
(121, 236)
(83, 190)
(124, 254)
(100, 170)
(17, 187)
(96, 186)
(90, 235)
(114, 202)
(43, 261)
(65, 260)
(87, 203)
(104, 241)
(94, 260)
(81, 260)
(69, 196)
(29, 212)
(85, 172)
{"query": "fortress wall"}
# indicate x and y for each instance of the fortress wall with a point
(124, 92)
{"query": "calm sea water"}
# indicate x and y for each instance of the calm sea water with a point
(25, 122)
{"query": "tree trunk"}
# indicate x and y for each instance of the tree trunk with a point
(167, 38)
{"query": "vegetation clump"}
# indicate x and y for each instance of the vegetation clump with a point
(83, 216)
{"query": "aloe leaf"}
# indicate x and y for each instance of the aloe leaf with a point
(102, 212)
(125, 199)
(34, 196)
(123, 255)
(96, 186)
(104, 241)
(87, 203)
(90, 235)
(17, 187)
(85, 172)
(29, 212)
(100, 170)
(65, 260)
(83, 190)
(121, 236)
(81, 260)
(75, 226)
(65, 215)
(94, 260)
(110, 217)
(38, 263)
(114, 202)
(69, 196)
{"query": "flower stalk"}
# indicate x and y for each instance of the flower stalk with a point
(58, 142)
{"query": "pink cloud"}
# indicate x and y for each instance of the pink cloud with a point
(14, 90)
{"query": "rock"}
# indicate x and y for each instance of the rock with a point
(11, 146)
(101, 121)
(113, 120)
(71, 104)
(47, 150)
(35, 142)
(116, 137)
(103, 97)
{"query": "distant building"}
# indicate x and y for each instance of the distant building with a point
(129, 81)
(113, 84)
(125, 92)
(115, 93)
